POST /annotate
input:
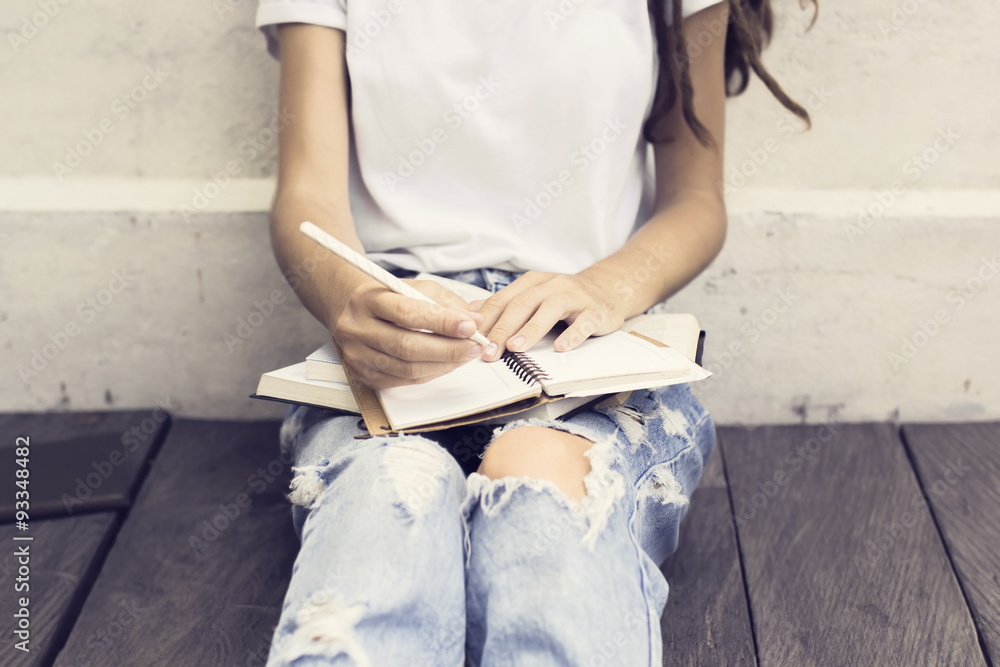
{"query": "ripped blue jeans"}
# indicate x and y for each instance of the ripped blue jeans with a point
(409, 557)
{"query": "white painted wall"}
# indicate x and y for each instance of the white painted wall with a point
(884, 79)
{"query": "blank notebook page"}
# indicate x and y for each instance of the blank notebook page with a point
(616, 355)
(472, 388)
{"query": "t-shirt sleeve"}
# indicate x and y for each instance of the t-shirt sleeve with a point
(329, 13)
(694, 6)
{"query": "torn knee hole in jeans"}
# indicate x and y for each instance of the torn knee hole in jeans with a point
(325, 627)
(604, 488)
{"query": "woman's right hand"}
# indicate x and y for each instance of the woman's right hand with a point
(379, 333)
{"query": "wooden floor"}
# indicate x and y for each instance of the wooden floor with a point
(804, 545)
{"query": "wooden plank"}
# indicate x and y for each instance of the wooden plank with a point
(843, 563)
(177, 593)
(706, 620)
(959, 470)
(65, 556)
(80, 462)
(52, 426)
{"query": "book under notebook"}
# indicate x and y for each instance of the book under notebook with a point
(290, 384)
(324, 364)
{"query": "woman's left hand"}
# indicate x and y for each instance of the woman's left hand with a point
(520, 314)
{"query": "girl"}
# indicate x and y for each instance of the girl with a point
(505, 145)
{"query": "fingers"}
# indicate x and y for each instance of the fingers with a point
(385, 355)
(422, 316)
(523, 312)
(446, 297)
(406, 345)
(529, 314)
(582, 328)
(385, 339)
(383, 371)
(493, 307)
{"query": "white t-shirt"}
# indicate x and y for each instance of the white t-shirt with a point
(493, 134)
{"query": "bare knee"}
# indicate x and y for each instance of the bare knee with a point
(543, 453)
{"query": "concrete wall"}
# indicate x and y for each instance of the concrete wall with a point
(814, 313)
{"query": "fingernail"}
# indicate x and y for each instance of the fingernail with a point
(476, 351)
(491, 350)
(515, 343)
(466, 328)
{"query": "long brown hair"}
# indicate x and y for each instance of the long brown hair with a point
(750, 25)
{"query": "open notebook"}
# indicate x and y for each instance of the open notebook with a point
(539, 382)
(605, 365)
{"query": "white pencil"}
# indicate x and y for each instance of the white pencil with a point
(372, 269)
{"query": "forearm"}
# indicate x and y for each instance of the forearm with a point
(321, 281)
(665, 254)
(689, 226)
(313, 169)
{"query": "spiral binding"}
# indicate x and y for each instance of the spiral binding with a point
(524, 367)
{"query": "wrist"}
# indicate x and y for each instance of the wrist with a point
(614, 289)
(345, 283)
